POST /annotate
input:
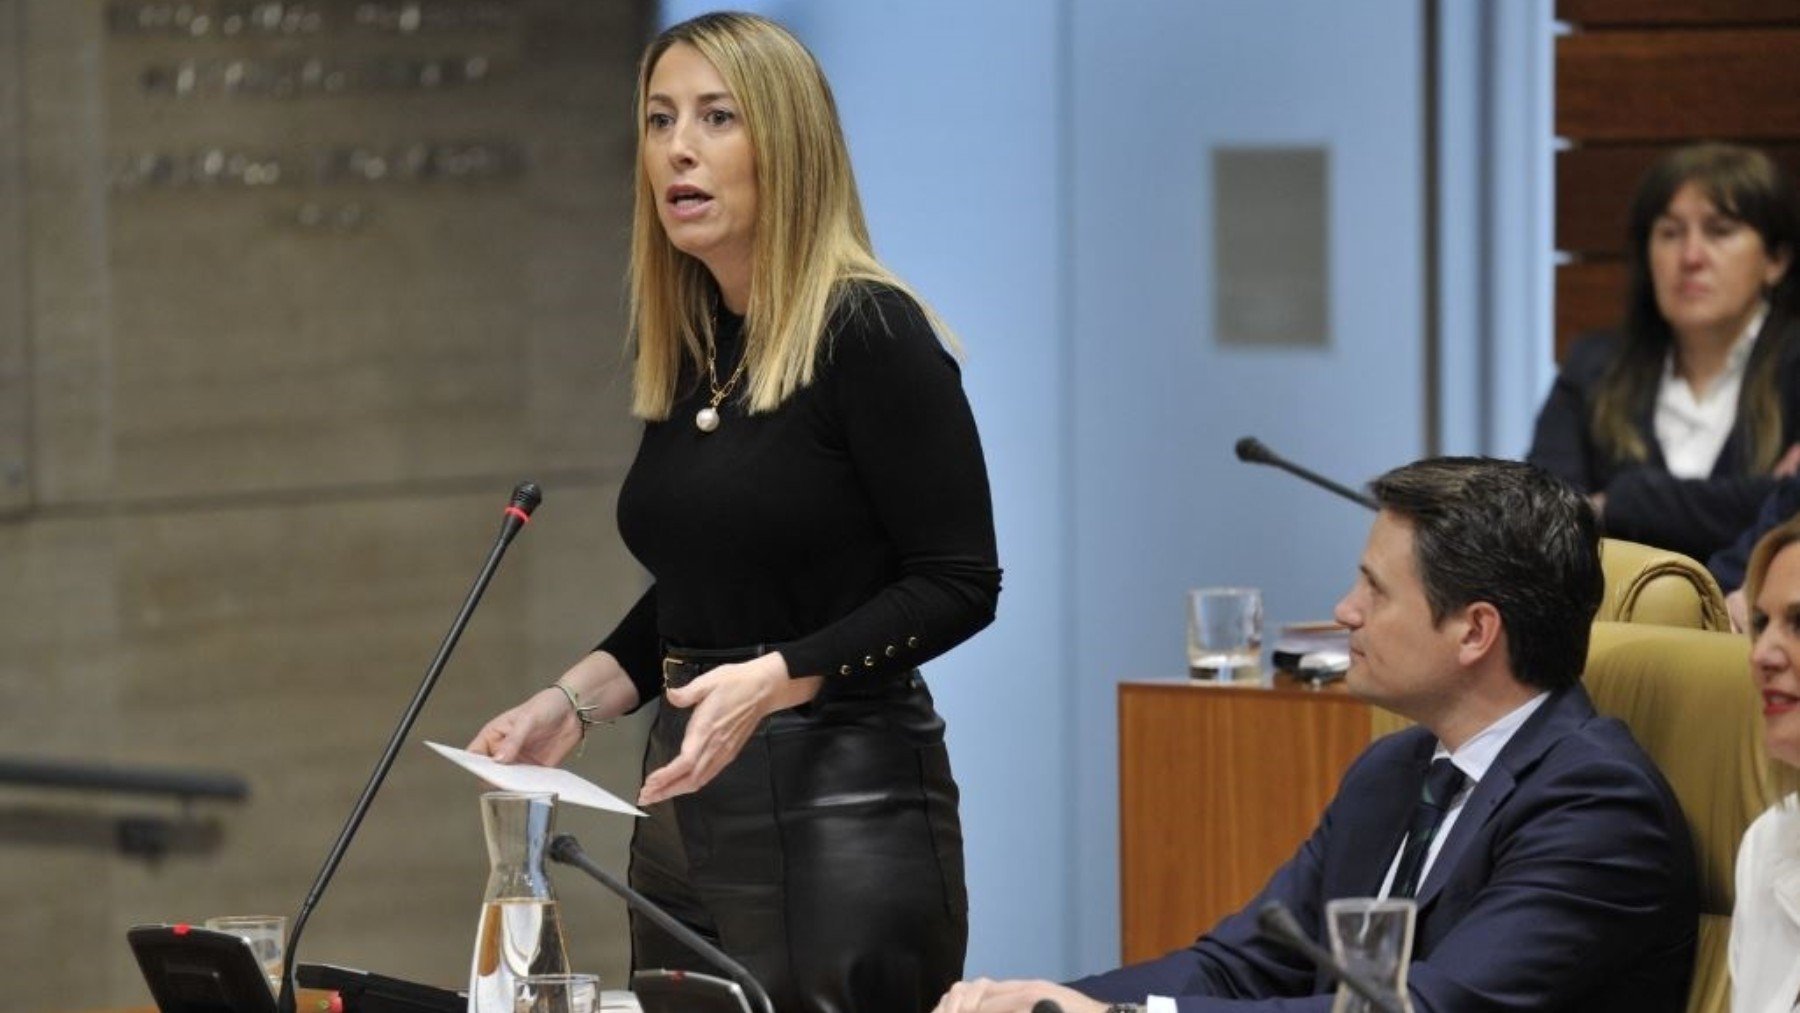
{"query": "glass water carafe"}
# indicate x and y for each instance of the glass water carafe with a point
(520, 931)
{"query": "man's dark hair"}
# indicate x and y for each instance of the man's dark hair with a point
(1514, 536)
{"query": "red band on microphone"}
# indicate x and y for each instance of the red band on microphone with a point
(524, 518)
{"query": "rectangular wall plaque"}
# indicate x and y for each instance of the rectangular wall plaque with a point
(1272, 272)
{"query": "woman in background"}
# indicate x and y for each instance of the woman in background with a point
(1678, 427)
(1765, 924)
(811, 500)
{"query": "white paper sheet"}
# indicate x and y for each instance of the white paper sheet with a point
(525, 777)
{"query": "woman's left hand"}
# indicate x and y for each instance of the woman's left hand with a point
(728, 702)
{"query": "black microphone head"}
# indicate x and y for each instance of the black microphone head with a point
(1251, 449)
(526, 496)
(564, 848)
(1046, 1006)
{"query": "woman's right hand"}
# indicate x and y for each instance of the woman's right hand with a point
(543, 730)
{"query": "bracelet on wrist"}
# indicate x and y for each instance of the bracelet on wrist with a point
(584, 715)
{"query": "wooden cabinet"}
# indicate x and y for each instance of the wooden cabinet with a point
(1217, 787)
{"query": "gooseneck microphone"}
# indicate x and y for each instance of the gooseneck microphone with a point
(567, 850)
(525, 498)
(1277, 922)
(1253, 451)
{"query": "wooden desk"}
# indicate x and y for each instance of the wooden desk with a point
(1217, 787)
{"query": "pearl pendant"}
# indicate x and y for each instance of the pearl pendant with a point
(706, 419)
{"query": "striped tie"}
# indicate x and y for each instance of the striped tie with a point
(1442, 782)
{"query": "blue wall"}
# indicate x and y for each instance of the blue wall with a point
(1040, 170)
(1161, 503)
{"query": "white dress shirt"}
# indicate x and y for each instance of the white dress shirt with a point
(1473, 759)
(1765, 924)
(1692, 428)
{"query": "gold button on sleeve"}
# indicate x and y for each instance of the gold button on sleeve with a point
(891, 650)
(869, 661)
(843, 669)
(912, 641)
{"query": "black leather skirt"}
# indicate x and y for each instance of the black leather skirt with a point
(827, 857)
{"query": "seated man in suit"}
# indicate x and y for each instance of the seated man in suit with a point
(1550, 862)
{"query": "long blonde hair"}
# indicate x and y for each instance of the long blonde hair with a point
(810, 240)
(1784, 778)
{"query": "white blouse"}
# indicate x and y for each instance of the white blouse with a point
(1765, 924)
(1692, 428)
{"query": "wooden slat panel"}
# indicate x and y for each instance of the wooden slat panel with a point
(1593, 195)
(1589, 296)
(1586, 13)
(1207, 809)
(1594, 187)
(1664, 85)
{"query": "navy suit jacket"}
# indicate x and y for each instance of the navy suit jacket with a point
(1567, 883)
(1730, 564)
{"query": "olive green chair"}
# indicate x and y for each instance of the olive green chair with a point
(1648, 585)
(1687, 697)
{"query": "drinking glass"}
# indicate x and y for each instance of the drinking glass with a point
(556, 993)
(1224, 634)
(1374, 939)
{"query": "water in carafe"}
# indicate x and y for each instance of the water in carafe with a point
(520, 930)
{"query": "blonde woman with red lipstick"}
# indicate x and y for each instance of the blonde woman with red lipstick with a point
(1765, 925)
(811, 501)
(1678, 427)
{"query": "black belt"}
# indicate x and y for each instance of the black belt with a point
(682, 665)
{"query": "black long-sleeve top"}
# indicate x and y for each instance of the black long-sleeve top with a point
(1644, 503)
(850, 529)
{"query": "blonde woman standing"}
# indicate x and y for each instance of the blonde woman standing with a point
(811, 500)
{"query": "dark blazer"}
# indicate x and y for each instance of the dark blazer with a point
(1567, 883)
(1729, 565)
(1644, 503)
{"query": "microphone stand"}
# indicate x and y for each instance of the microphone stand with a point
(1253, 451)
(567, 850)
(526, 497)
(1277, 921)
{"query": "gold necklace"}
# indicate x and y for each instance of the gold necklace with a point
(707, 419)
